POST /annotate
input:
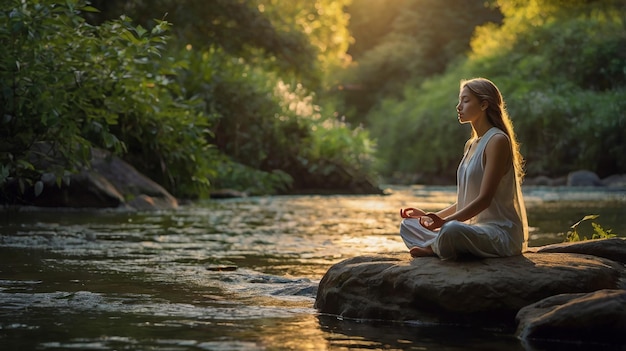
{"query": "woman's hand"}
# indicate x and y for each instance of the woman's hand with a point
(411, 212)
(431, 221)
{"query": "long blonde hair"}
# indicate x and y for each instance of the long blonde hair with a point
(497, 115)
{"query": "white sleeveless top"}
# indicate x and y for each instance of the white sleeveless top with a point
(507, 212)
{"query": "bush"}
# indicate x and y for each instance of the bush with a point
(73, 86)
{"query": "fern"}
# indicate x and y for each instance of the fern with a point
(598, 231)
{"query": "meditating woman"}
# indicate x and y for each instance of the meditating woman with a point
(489, 217)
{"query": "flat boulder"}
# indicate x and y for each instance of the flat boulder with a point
(486, 291)
(612, 248)
(598, 317)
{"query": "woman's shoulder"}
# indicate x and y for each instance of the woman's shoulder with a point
(498, 139)
(495, 131)
(498, 147)
(498, 134)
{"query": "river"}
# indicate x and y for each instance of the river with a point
(237, 274)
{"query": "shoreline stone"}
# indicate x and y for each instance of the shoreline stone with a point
(110, 182)
(580, 178)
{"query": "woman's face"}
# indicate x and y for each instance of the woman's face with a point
(469, 108)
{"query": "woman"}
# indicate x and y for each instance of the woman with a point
(489, 217)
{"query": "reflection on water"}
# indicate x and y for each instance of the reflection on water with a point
(236, 274)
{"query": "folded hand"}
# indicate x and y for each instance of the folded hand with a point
(431, 221)
(411, 212)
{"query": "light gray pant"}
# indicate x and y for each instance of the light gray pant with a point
(456, 238)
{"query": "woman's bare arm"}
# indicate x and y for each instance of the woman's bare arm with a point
(447, 211)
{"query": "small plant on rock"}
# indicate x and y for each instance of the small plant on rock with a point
(598, 231)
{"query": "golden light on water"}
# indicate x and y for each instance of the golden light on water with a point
(374, 243)
(301, 334)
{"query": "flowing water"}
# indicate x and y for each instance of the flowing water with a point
(237, 274)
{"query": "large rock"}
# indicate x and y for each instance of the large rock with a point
(598, 317)
(583, 178)
(486, 291)
(613, 248)
(84, 189)
(139, 191)
(110, 182)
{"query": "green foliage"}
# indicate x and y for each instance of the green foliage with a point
(569, 72)
(242, 28)
(247, 63)
(246, 131)
(68, 86)
(269, 132)
(562, 72)
(399, 42)
(598, 231)
(222, 103)
(44, 107)
(581, 127)
(408, 134)
(325, 24)
(233, 175)
(325, 145)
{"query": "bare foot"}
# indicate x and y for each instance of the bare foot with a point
(421, 251)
